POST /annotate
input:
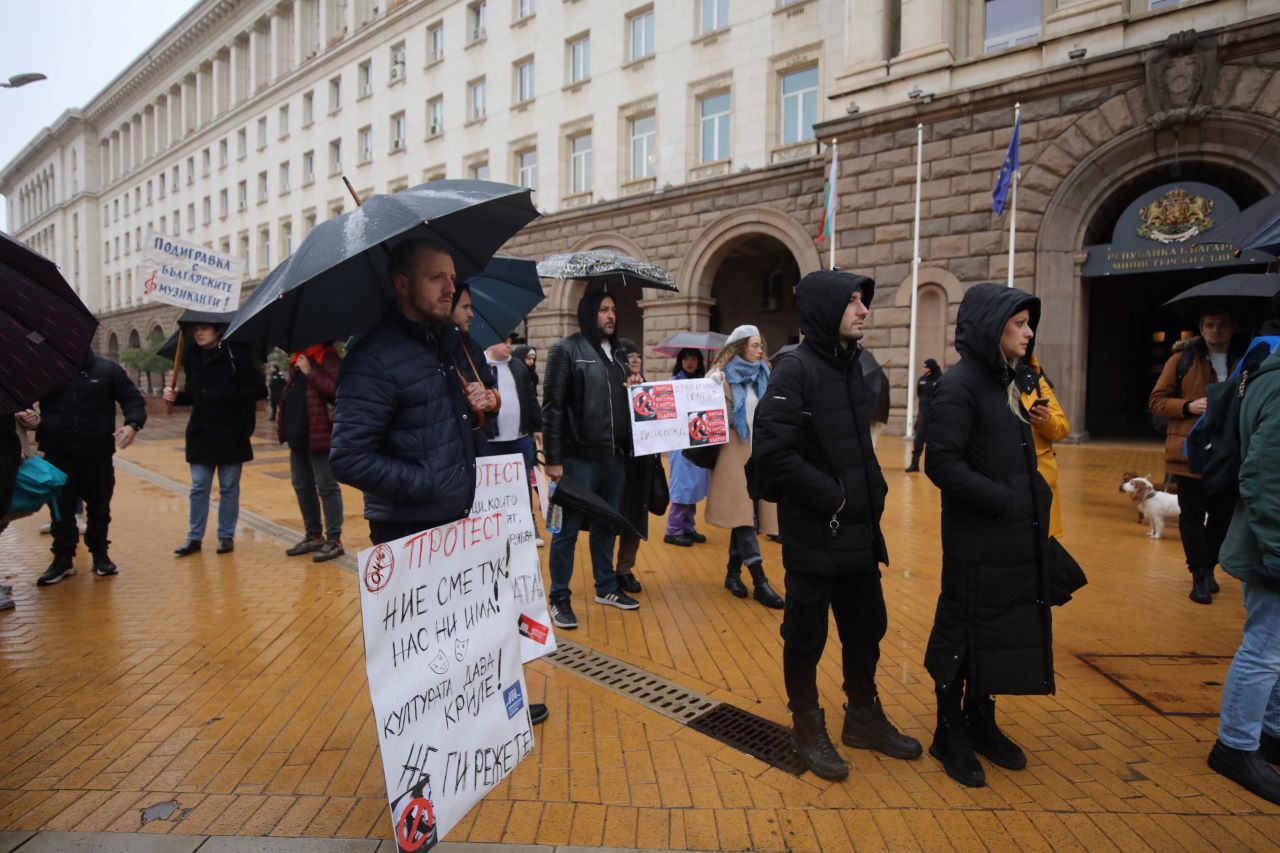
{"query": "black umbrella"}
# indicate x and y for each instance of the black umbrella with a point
(1257, 227)
(336, 284)
(572, 495)
(1229, 288)
(607, 267)
(501, 297)
(45, 330)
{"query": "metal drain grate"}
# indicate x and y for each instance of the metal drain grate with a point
(743, 730)
(658, 694)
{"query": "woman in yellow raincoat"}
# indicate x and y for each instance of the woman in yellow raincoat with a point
(1048, 424)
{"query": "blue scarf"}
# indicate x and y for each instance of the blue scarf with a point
(740, 373)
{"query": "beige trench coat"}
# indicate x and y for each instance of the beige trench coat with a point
(727, 502)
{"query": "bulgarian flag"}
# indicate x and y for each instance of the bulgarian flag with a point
(829, 206)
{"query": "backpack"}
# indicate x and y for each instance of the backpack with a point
(38, 483)
(1188, 358)
(1216, 435)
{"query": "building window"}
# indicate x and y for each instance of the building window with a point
(242, 143)
(308, 168)
(335, 94)
(264, 247)
(476, 99)
(799, 105)
(580, 164)
(476, 16)
(435, 116)
(242, 195)
(191, 216)
(160, 186)
(244, 249)
(308, 109)
(397, 62)
(191, 172)
(223, 156)
(365, 135)
(206, 163)
(364, 76)
(435, 42)
(644, 147)
(308, 222)
(397, 132)
(480, 171)
(206, 210)
(335, 156)
(262, 133)
(713, 15)
(524, 8)
(1009, 23)
(222, 203)
(284, 178)
(286, 238)
(640, 35)
(580, 59)
(527, 168)
(524, 81)
(282, 119)
(262, 187)
(713, 127)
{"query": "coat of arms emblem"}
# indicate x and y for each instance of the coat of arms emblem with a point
(1175, 217)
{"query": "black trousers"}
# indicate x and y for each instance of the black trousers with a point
(857, 601)
(1203, 523)
(93, 480)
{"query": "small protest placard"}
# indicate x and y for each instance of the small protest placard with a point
(442, 652)
(187, 275)
(676, 415)
(502, 485)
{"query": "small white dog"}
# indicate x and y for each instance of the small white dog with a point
(1156, 507)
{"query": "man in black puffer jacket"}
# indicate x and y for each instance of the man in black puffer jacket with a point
(78, 436)
(586, 433)
(813, 452)
(401, 432)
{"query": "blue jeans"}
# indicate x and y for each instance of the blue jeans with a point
(228, 499)
(1251, 695)
(605, 478)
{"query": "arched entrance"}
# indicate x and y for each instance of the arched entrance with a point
(755, 283)
(113, 347)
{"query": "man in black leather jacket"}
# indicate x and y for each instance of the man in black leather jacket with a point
(586, 431)
(78, 436)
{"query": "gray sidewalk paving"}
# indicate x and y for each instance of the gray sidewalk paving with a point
(146, 842)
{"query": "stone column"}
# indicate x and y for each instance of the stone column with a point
(928, 35)
(236, 76)
(277, 62)
(296, 38)
(866, 44)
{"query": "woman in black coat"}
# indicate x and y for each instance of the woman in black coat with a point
(992, 632)
(224, 385)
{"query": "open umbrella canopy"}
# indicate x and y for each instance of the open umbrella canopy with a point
(708, 342)
(1229, 289)
(608, 267)
(336, 283)
(45, 330)
(501, 297)
(193, 317)
(1257, 228)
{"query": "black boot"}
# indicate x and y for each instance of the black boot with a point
(1200, 587)
(1249, 770)
(951, 744)
(810, 738)
(867, 727)
(1270, 748)
(915, 462)
(733, 578)
(764, 593)
(986, 737)
(102, 565)
(1213, 584)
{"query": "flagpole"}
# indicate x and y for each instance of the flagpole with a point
(915, 289)
(835, 171)
(1013, 212)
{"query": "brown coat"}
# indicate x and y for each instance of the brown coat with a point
(728, 504)
(1168, 401)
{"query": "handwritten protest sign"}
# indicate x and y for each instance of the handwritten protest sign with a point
(187, 275)
(443, 659)
(677, 415)
(502, 486)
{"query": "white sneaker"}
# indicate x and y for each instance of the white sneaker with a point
(47, 527)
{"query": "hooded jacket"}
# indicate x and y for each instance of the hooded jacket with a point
(224, 385)
(401, 432)
(78, 418)
(585, 405)
(992, 617)
(812, 440)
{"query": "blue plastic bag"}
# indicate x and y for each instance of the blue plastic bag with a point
(39, 483)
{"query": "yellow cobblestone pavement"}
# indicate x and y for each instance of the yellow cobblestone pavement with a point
(235, 686)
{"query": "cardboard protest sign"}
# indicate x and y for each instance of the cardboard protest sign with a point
(187, 275)
(676, 415)
(502, 485)
(443, 659)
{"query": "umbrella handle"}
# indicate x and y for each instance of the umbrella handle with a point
(177, 365)
(352, 190)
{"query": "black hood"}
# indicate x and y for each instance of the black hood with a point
(821, 300)
(934, 370)
(588, 322)
(983, 313)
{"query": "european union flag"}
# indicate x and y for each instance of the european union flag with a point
(1001, 192)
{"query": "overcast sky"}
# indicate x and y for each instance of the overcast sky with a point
(80, 45)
